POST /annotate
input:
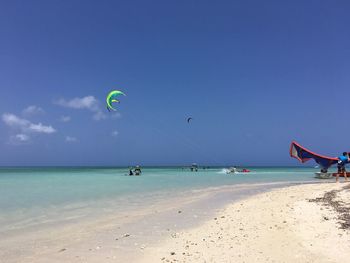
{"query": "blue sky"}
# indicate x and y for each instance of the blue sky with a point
(254, 75)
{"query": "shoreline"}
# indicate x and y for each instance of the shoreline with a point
(89, 239)
(145, 235)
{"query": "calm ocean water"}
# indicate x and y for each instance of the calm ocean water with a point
(30, 196)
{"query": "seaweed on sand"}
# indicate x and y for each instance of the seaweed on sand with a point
(342, 209)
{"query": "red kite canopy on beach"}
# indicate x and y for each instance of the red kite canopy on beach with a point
(303, 155)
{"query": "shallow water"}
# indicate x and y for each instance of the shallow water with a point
(30, 197)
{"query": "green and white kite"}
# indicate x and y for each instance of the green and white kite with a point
(112, 98)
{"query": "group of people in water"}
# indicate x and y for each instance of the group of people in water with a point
(194, 168)
(135, 171)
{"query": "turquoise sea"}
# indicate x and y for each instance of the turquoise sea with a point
(35, 196)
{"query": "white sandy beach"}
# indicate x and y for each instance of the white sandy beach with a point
(276, 226)
(279, 226)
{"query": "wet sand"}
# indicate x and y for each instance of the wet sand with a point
(119, 236)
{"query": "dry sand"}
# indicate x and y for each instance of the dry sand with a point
(278, 226)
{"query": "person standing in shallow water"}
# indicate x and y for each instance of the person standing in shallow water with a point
(343, 160)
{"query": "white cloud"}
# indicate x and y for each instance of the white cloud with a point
(25, 128)
(85, 103)
(65, 118)
(19, 139)
(22, 137)
(88, 102)
(32, 110)
(24, 125)
(41, 128)
(14, 121)
(71, 139)
(115, 133)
